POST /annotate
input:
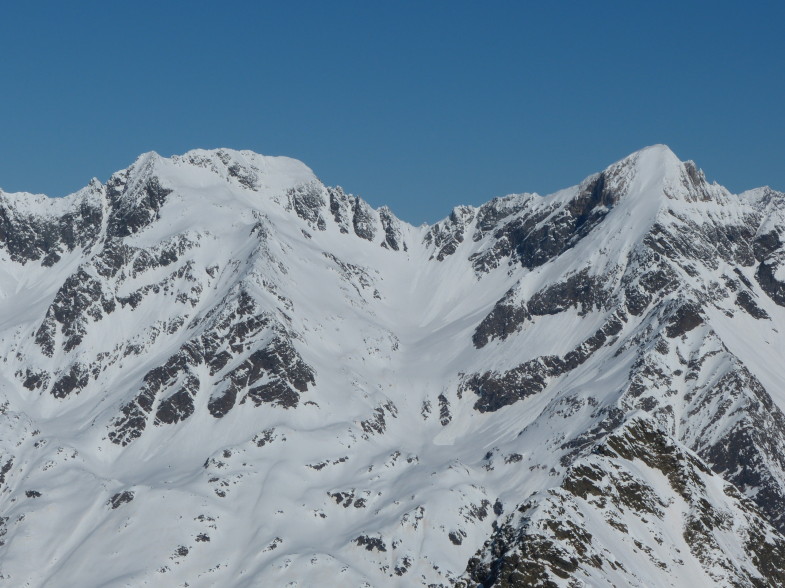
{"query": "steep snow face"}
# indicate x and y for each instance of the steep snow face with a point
(219, 371)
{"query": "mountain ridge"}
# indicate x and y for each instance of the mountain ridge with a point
(201, 157)
(218, 336)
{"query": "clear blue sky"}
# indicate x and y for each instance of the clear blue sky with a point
(417, 105)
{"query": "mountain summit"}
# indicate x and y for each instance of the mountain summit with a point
(219, 371)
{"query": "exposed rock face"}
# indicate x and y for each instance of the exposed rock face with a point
(308, 202)
(278, 383)
(546, 541)
(505, 319)
(580, 291)
(27, 235)
(392, 230)
(447, 235)
(496, 391)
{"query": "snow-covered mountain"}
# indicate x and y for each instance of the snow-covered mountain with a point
(218, 371)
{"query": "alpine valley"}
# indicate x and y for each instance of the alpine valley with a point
(217, 371)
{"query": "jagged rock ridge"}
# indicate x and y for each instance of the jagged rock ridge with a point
(242, 377)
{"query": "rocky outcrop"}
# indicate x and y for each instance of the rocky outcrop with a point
(545, 542)
(541, 391)
(27, 235)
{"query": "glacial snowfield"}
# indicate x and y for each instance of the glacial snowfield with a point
(218, 371)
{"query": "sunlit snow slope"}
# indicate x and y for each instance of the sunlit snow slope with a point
(219, 372)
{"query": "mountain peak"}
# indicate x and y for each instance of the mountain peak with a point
(657, 150)
(650, 163)
(656, 171)
(246, 166)
(539, 389)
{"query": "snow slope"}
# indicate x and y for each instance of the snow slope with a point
(219, 371)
